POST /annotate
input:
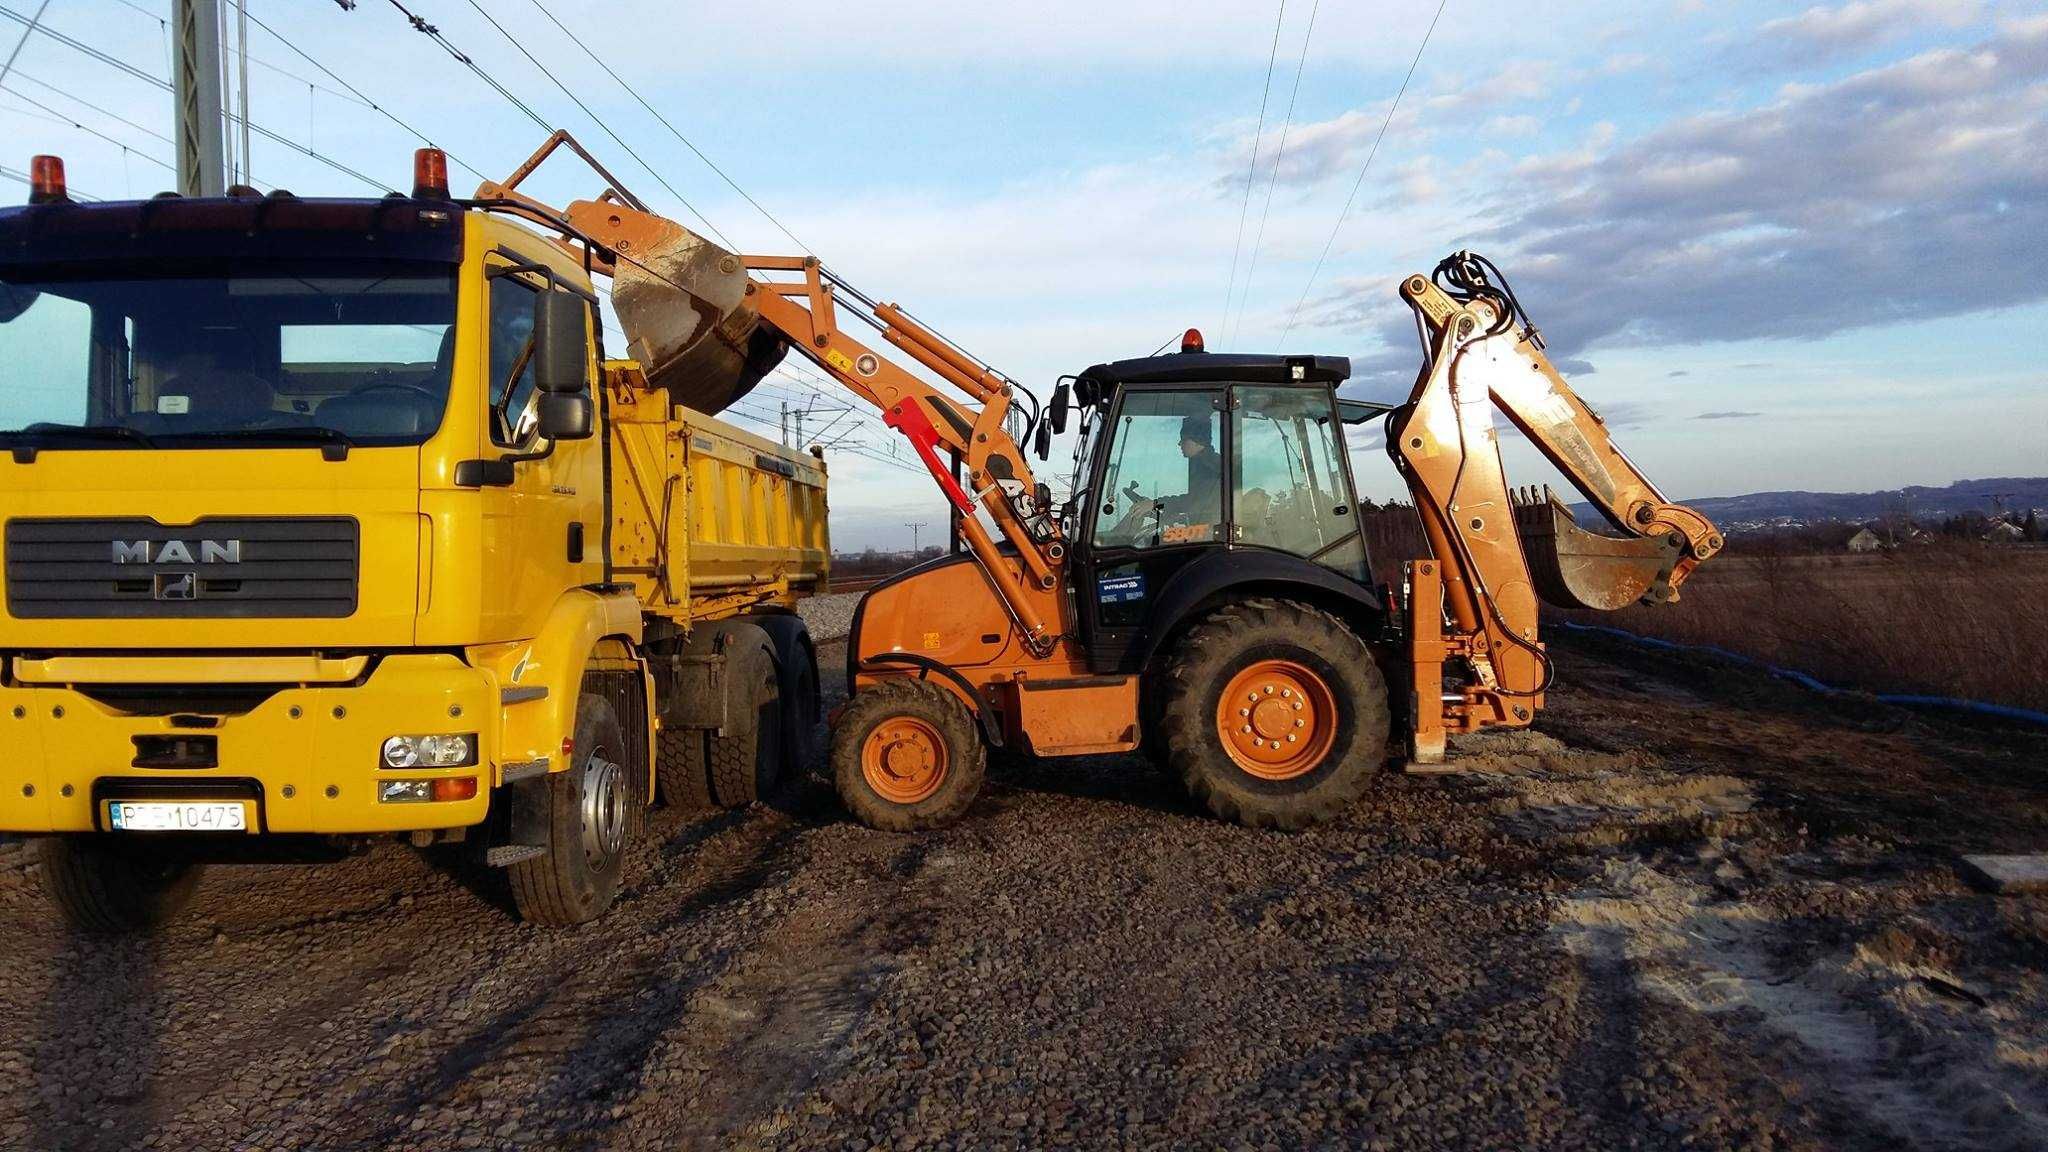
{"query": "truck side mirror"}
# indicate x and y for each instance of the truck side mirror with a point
(566, 415)
(1062, 397)
(561, 342)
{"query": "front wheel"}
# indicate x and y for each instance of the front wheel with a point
(101, 885)
(593, 807)
(906, 756)
(1274, 714)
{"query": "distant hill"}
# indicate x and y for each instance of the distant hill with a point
(1918, 502)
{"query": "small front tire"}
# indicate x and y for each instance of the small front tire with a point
(906, 757)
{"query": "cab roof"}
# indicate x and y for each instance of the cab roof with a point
(1223, 368)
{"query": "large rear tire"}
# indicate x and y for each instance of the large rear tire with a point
(746, 761)
(593, 807)
(906, 757)
(100, 885)
(682, 770)
(797, 663)
(1275, 714)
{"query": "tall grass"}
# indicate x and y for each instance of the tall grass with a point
(1952, 618)
(1960, 620)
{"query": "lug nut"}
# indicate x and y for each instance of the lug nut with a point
(1246, 728)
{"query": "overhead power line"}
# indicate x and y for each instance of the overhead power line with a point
(673, 130)
(122, 145)
(1251, 170)
(18, 74)
(165, 85)
(599, 121)
(1279, 154)
(359, 95)
(420, 25)
(1366, 167)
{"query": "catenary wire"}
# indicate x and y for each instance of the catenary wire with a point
(1272, 182)
(1251, 170)
(1366, 167)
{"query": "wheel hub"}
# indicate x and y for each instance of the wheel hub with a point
(904, 760)
(604, 809)
(1276, 719)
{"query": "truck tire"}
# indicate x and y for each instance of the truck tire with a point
(746, 762)
(592, 810)
(682, 771)
(906, 756)
(1275, 714)
(796, 663)
(102, 886)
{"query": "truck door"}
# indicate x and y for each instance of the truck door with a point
(1290, 484)
(542, 532)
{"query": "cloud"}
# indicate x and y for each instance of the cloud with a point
(1677, 372)
(1726, 415)
(1906, 192)
(1574, 366)
(1830, 31)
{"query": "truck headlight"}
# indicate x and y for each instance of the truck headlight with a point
(455, 751)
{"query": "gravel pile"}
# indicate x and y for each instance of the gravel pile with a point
(828, 617)
(1087, 963)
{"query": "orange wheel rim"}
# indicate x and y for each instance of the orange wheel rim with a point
(1277, 719)
(904, 760)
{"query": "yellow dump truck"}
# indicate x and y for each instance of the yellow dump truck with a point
(327, 518)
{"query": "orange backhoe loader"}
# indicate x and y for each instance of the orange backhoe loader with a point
(1204, 590)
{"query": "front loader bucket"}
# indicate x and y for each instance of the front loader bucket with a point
(1574, 568)
(683, 303)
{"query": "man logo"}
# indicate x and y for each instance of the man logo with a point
(177, 585)
(177, 552)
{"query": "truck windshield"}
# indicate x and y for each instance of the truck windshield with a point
(356, 354)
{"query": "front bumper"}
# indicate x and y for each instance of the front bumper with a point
(307, 758)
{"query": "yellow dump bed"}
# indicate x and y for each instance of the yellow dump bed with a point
(708, 520)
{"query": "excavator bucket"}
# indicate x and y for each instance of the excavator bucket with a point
(1574, 568)
(683, 304)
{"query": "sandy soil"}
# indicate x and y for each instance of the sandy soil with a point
(1695, 909)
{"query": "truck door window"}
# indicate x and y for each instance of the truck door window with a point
(1288, 486)
(1163, 482)
(511, 367)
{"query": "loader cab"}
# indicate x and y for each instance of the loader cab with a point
(1199, 471)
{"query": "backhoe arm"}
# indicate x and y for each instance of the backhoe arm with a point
(1495, 550)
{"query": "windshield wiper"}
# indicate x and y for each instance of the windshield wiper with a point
(334, 443)
(44, 430)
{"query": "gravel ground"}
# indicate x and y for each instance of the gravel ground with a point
(1696, 910)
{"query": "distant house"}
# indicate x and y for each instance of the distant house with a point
(2005, 532)
(1865, 541)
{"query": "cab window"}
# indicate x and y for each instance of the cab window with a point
(1163, 482)
(1289, 490)
(511, 366)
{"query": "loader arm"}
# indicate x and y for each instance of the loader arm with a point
(1495, 550)
(696, 317)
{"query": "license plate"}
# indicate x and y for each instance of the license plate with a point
(160, 816)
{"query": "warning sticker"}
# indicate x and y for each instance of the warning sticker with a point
(839, 360)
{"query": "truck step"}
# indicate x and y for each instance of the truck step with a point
(506, 855)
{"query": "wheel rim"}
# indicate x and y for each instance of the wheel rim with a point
(604, 809)
(1277, 719)
(904, 760)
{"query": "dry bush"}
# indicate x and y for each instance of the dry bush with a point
(1959, 620)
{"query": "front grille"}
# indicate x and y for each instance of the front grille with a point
(226, 567)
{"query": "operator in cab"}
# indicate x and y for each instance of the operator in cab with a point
(1202, 502)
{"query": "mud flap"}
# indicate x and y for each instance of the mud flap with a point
(1574, 568)
(523, 833)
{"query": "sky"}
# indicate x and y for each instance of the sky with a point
(1776, 245)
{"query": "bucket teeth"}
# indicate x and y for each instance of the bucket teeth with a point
(1574, 568)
